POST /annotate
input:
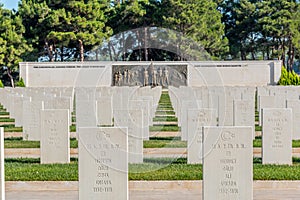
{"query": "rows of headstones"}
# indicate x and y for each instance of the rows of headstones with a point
(111, 125)
(46, 113)
(131, 107)
(279, 116)
(196, 107)
(218, 124)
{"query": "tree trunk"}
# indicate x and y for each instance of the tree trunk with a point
(139, 45)
(253, 54)
(55, 53)
(10, 77)
(109, 49)
(268, 54)
(146, 43)
(115, 57)
(62, 54)
(290, 56)
(243, 54)
(81, 51)
(49, 51)
(124, 48)
(283, 54)
(97, 56)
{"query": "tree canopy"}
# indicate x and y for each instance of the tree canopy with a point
(61, 29)
(13, 45)
(58, 30)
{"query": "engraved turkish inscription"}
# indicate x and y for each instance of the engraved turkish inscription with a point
(277, 136)
(227, 163)
(55, 142)
(103, 163)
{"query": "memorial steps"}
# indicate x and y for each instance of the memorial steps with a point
(165, 122)
(5, 120)
(4, 117)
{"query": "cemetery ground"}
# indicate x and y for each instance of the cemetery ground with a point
(167, 163)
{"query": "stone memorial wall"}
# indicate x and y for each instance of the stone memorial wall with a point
(198, 73)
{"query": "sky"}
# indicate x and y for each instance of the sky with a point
(10, 4)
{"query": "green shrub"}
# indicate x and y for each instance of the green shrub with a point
(288, 77)
(1, 84)
(20, 83)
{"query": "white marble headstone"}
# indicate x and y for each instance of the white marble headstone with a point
(104, 111)
(227, 163)
(133, 119)
(244, 113)
(277, 136)
(225, 107)
(196, 120)
(145, 107)
(185, 106)
(295, 106)
(103, 163)
(265, 102)
(31, 120)
(86, 115)
(18, 111)
(55, 137)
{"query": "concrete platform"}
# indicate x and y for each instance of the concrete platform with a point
(164, 134)
(148, 152)
(148, 190)
(7, 123)
(165, 123)
(20, 134)
(152, 134)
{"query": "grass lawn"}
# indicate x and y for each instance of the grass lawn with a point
(164, 113)
(7, 120)
(258, 128)
(154, 142)
(11, 128)
(4, 112)
(28, 169)
(19, 143)
(164, 128)
(165, 143)
(165, 119)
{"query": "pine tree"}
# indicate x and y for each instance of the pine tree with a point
(12, 43)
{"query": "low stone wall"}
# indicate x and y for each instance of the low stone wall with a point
(200, 73)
